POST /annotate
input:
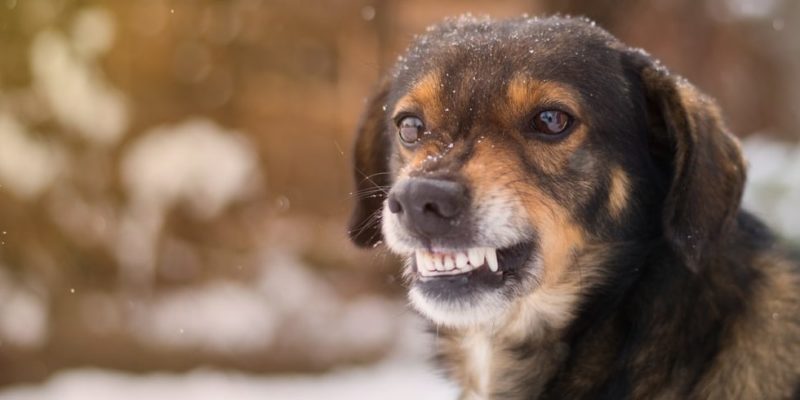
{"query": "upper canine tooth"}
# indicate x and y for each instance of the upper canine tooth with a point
(461, 260)
(449, 263)
(476, 255)
(420, 257)
(491, 259)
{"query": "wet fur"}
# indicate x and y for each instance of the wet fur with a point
(660, 286)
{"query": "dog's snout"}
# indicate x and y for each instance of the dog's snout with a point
(428, 206)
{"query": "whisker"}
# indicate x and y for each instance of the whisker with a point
(369, 177)
(370, 191)
(373, 219)
(374, 175)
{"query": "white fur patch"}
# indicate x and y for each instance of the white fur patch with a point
(478, 349)
(480, 312)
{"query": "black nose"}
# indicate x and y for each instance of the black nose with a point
(430, 207)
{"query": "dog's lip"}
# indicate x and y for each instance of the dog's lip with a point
(444, 263)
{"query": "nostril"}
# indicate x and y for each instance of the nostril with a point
(441, 209)
(432, 208)
(394, 205)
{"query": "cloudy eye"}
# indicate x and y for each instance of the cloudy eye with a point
(551, 122)
(410, 129)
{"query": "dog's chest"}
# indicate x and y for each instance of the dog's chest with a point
(477, 348)
(490, 367)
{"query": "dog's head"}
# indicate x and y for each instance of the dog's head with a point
(508, 161)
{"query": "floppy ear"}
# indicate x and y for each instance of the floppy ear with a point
(370, 170)
(705, 161)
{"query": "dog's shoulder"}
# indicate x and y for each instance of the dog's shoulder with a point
(759, 351)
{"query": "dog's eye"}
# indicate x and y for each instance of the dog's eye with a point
(410, 129)
(551, 122)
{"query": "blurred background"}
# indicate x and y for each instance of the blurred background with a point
(174, 184)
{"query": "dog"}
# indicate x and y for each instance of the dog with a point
(569, 213)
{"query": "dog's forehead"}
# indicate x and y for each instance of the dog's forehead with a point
(488, 53)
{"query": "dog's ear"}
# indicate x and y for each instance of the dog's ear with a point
(371, 170)
(705, 163)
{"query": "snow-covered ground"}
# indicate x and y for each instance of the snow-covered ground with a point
(387, 381)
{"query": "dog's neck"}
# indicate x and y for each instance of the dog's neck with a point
(492, 361)
(488, 366)
(519, 356)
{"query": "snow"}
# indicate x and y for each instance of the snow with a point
(285, 306)
(93, 32)
(73, 86)
(220, 317)
(195, 162)
(389, 380)
(23, 314)
(772, 191)
(751, 8)
(27, 166)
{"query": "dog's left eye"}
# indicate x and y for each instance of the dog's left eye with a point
(410, 129)
(551, 122)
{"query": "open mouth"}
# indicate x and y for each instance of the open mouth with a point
(484, 262)
(465, 286)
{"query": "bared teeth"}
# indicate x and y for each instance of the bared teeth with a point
(476, 256)
(425, 262)
(421, 261)
(449, 263)
(456, 262)
(461, 260)
(491, 259)
(438, 262)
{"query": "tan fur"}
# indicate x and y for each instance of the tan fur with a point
(618, 192)
(493, 169)
(424, 95)
(524, 94)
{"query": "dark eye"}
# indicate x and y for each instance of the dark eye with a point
(551, 122)
(410, 129)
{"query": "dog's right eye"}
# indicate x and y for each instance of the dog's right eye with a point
(551, 122)
(410, 129)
